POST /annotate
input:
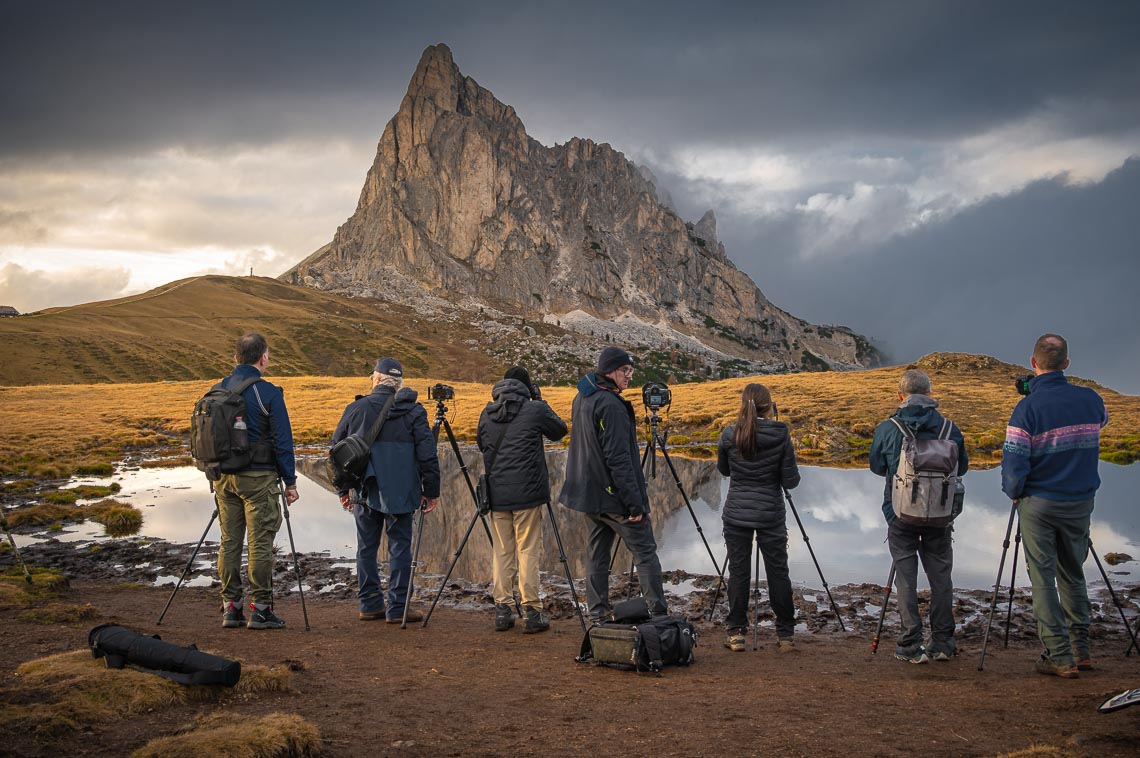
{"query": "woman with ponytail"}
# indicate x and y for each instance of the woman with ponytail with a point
(756, 454)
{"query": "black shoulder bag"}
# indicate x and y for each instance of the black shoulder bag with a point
(348, 459)
(483, 487)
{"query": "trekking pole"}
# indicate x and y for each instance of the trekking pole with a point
(293, 547)
(883, 610)
(16, 550)
(1012, 579)
(193, 555)
(417, 540)
(756, 597)
(1115, 600)
(997, 582)
(565, 566)
(807, 541)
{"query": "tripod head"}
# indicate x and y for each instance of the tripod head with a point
(441, 410)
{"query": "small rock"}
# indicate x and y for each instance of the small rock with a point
(1114, 558)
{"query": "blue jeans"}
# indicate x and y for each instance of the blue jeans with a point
(369, 525)
(1056, 539)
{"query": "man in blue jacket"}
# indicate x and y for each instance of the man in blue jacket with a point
(604, 481)
(907, 542)
(402, 475)
(1049, 470)
(251, 499)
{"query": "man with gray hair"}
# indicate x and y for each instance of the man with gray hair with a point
(909, 542)
(402, 475)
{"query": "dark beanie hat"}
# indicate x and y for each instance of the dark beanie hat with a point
(520, 373)
(613, 358)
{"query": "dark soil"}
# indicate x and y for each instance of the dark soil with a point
(457, 687)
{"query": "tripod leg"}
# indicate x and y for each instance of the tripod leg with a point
(189, 563)
(997, 583)
(417, 540)
(466, 477)
(293, 547)
(565, 566)
(716, 595)
(696, 522)
(1012, 580)
(454, 560)
(883, 610)
(613, 558)
(1115, 601)
(16, 550)
(756, 597)
(807, 541)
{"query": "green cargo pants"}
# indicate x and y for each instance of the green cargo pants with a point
(251, 499)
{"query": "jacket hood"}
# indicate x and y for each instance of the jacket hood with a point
(770, 432)
(594, 382)
(918, 412)
(405, 399)
(509, 395)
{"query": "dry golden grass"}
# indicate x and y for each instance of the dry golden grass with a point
(1040, 751)
(277, 735)
(71, 691)
(832, 415)
(16, 592)
(118, 519)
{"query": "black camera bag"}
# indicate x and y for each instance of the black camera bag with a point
(645, 646)
(119, 646)
(348, 459)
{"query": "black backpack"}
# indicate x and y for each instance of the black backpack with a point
(348, 459)
(219, 434)
(638, 642)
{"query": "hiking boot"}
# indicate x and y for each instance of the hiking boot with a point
(232, 617)
(735, 641)
(786, 645)
(535, 622)
(1046, 666)
(1085, 664)
(413, 615)
(504, 619)
(264, 618)
(913, 655)
(372, 615)
(942, 656)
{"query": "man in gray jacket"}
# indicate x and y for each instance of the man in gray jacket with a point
(604, 481)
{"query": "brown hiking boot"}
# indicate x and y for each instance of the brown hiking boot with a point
(1046, 666)
(535, 622)
(735, 641)
(787, 646)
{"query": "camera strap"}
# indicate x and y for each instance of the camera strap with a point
(374, 431)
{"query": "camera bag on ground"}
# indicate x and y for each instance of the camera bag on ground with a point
(483, 495)
(926, 490)
(120, 646)
(644, 646)
(219, 434)
(348, 459)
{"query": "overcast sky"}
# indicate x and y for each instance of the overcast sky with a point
(939, 176)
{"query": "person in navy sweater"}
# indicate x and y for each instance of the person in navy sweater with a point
(1049, 470)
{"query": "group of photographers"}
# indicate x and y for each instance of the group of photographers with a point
(1049, 470)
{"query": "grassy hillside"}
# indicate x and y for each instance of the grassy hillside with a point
(187, 330)
(832, 415)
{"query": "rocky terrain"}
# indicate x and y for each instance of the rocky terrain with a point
(464, 216)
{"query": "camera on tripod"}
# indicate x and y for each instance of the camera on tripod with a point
(656, 396)
(1022, 383)
(440, 391)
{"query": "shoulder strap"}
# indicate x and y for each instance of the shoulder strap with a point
(906, 430)
(374, 432)
(499, 440)
(243, 386)
(651, 638)
(944, 432)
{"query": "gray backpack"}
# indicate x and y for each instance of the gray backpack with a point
(927, 490)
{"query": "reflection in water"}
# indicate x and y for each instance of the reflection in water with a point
(839, 508)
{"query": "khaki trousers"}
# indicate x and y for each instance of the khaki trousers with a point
(249, 501)
(518, 551)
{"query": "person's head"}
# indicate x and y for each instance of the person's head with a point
(252, 350)
(755, 403)
(520, 374)
(1050, 353)
(913, 382)
(617, 365)
(388, 372)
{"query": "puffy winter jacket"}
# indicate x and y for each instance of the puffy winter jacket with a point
(519, 478)
(404, 465)
(755, 487)
(603, 466)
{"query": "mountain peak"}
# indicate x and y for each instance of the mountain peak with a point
(437, 78)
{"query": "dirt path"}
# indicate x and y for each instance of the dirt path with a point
(458, 688)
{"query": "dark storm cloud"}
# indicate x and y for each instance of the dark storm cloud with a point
(1051, 258)
(78, 75)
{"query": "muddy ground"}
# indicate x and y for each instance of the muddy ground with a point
(458, 688)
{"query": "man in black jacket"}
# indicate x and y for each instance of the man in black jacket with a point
(604, 480)
(511, 429)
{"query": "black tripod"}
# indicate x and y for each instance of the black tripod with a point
(883, 610)
(649, 463)
(12, 543)
(997, 585)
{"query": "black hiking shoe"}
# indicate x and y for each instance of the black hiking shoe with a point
(232, 617)
(535, 622)
(264, 618)
(504, 619)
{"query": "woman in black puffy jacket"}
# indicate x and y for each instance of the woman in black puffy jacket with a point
(756, 453)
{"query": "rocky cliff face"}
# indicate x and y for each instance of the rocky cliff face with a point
(462, 202)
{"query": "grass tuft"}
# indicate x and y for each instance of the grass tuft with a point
(276, 735)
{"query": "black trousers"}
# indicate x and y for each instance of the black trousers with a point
(638, 539)
(774, 551)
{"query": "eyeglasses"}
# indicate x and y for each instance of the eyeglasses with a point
(627, 370)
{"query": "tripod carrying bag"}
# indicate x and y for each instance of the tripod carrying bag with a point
(644, 646)
(186, 665)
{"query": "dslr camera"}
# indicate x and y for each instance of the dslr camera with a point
(656, 396)
(1022, 384)
(440, 391)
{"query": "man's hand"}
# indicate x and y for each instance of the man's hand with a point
(635, 519)
(291, 494)
(346, 501)
(429, 503)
